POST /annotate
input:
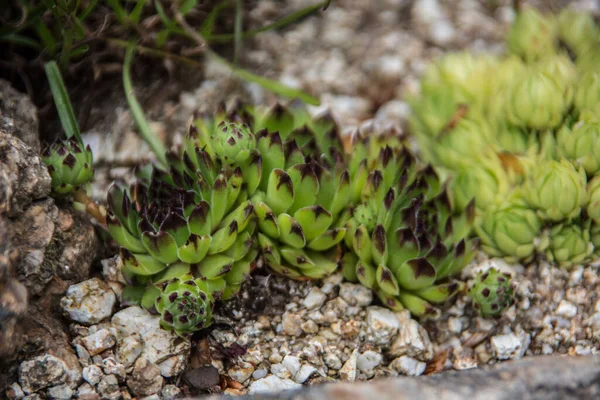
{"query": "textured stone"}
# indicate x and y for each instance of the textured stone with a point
(18, 115)
(408, 366)
(145, 379)
(382, 325)
(41, 372)
(542, 377)
(272, 384)
(241, 372)
(61, 392)
(348, 370)
(89, 302)
(314, 299)
(356, 295)
(92, 374)
(99, 341)
(108, 388)
(412, 340)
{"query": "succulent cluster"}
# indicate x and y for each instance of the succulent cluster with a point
(525, 144)
(69, 165)
(277, 186)
(491, 292)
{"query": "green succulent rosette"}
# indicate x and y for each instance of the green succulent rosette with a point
(578, 30)
(587, 92)
(70, 165)
(593, 207)
(294, 176)
(486, 181)
(538, 101)
(557, 190)
(432, 111)
(581, 145)
(404, 242)
(491, 292)
(569, 244)
(511, 232)
(532, 35)
(200, 228)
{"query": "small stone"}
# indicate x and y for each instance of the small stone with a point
(259, 374)
(292, 364)
(41, 372)
(145, 378)
(566, 309)
(412, 340)
(368, 361)
(331, 282)
(92, 374)
(61, 392)
(510, 345)
(334, 310)
(89, 302)
(14, 392)
(128, 350)
(280, 371)
(309, 327)
(83, 355)
(152, 397)
(108, 388)
(170, 392)
(87, 392)
(292, 324)
(382, 325)
(332, 361)
(275, 358)
(315, 298)
(202, 378)
(241, 372)
(455, 325)
(408, 366)
(110, 366)
(356, 295)
(306, 371)
(272, 384)
(348, 371)
(99, 341)
(172, 366)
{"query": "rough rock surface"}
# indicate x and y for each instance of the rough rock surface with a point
(531, 378)
(18, 115)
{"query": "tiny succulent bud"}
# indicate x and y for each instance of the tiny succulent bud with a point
(581, 145)
(578, 30)
(491, 292)
(69, 165)
(532, 35)
(233, 142)
(587, 93)
(569, 244)
(593, 207)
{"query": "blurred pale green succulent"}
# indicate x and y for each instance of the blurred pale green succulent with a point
(69, 165)
(432, 110)
(538, 101)
(561, 68)
(511, 232)
(491, 292)
(468, 140)
(532, 35)
(593, 207)
(578, 30)
(486, 181)
(581, 145)
(569, 244)
(557, 190)
(587, 92)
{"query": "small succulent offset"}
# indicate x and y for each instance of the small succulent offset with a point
(527, 144)
(491, 292)
(70, 165)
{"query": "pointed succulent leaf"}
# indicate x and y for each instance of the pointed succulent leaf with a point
(290, 231)
(194, 249)
(280, 191)
(416, 274)
(161, 246)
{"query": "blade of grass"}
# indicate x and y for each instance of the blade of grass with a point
(61, 101)
(207, 26)
(187, 6)
(20, 40)
(135, 15)
(237, 44)
(88, 9)
(46, 36)
(138, 114)
(269, 84)
(119, 11)
(281, 23)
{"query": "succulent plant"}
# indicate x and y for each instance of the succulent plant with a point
(569, 244)
(511, 232)
(578, 30)
(405, 243)
(549, 182)
(532, 35)
(538, 101)
(593, 207)
(581, 145)
(587, 93)
(294, 177)
(69, 165)
(491, 292)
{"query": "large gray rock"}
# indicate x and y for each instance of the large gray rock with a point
(18, 115)
(544, 377)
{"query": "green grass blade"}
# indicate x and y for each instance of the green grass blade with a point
(46, 36)
(119, 11)
(187, 6)
(163, 15)
(207, 26)
(138, 114)
(19, 40)
(269, 84)
(283, 22)
(88, 9)
(61, 101)
(137, 12)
